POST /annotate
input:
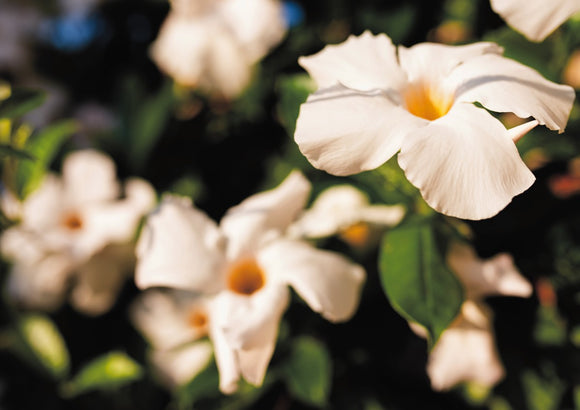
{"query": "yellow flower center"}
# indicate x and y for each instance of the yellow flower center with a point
(198, 320)
(356, 235)
(245, 277)
(427, 102)
(72, 221)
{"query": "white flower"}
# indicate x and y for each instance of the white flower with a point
(466, 351)
(345, 210)
(246, 264)
(175, 323)
(213, 45)
(375, 100)
(76, 224)
(536, 19)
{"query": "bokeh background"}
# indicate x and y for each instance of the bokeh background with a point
(96, 69)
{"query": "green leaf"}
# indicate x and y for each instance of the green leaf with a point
(21, 101)
(147, 124)
(9, 151)
(308, 371)
(205, 384)
(543, 391)
(417, 282)
(43, 146)
(108, 372)
(44, 343)
(293, 91)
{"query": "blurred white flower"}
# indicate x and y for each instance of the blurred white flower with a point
(345, 210)
(176, 324)
(246, 264)
(76, 229)
(213, 45)
(375, 100)
(536, 19)
(466, 350)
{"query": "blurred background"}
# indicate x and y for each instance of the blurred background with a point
(93, 61)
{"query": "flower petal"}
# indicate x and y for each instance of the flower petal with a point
(258, 25)
(495, 276)
(432, 62)
(328, 282)
(41, 284)
(178, 366)
(113, 222)
(536, 19)
(99, 280)
(465, 164)
(225, 357)
(339, 207)
(42, 208)
(245, 224)
(364, 63)
(504, 85)
(345, 132)
(89, 176)
(466, 351)
(162, 317)
(180, 247)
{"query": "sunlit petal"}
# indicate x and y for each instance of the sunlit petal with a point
(363, 63)
(504, 85)
(536, 19)
(328, 282)
(180, 247)
(345, 132)
(465, 164)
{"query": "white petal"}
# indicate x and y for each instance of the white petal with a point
(226, 360)
(99, 280)
(504, 85)
(162, 317)
(466, 351)
(254, 362)
(366, 62)
(113, 222)
(43, 208)
(251, 322)
(495, 276)
(245, 224)
(328, 282)
(465, 164)
(181, 47)
(345, 132)
(431, 62)
(180, 247)
(258, 25)
(536, 19)
(339, 207)
(179, 366)
(41, 284)
(89, 176)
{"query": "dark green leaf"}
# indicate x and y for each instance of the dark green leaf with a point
(418, 283)
(308, 371)
(9, 151)
(147, 125)
(293, 91)
(43, 146)
(108, 372)
(21, 101)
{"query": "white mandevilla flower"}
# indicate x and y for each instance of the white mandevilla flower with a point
(176, 324)
(246, 264)
(76, 228)
(466, 351)
(213, 45)
(346, 211)
(536, 19)
(375, 100)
